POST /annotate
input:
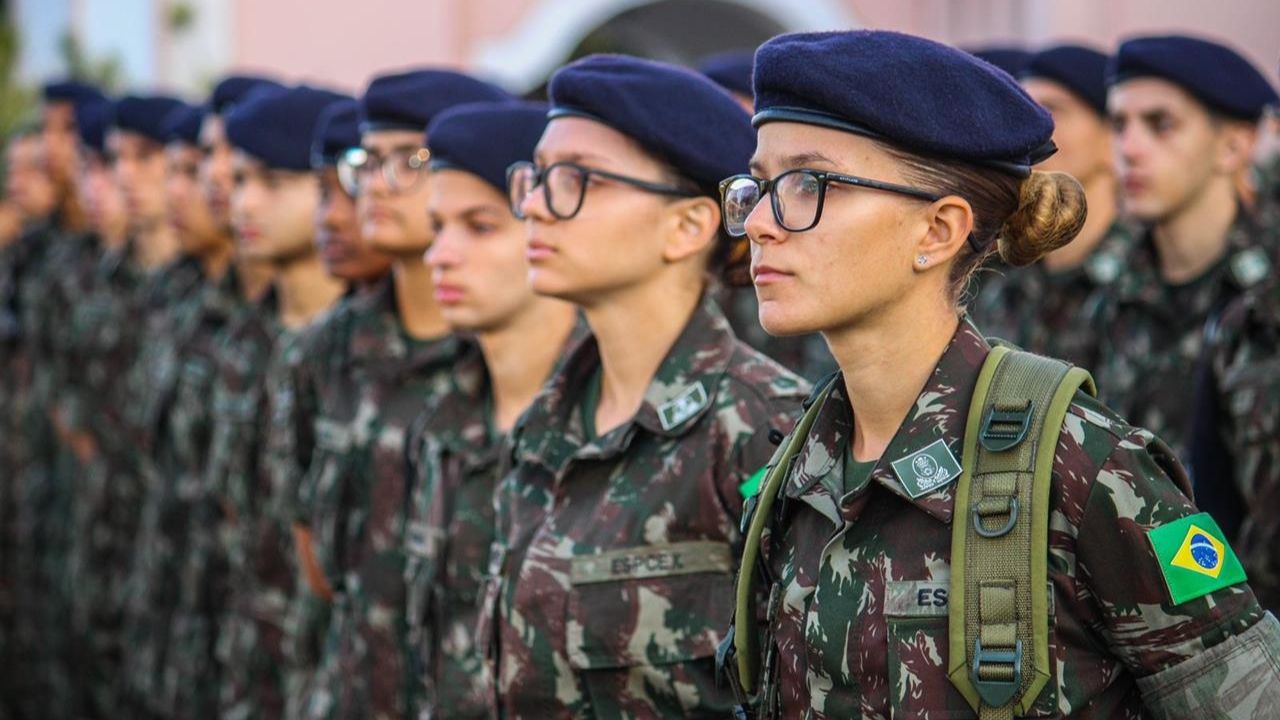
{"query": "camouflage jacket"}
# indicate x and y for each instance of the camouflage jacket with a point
(260, 572)
(862, 575)
(1241, 405)
(456, 459)
(612, 571)
(1046, 312)
(372, 381)
(1152, 333)
(806, 355)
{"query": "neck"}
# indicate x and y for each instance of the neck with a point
(521, 354)
(157, 246)
(886, 361)
(113, 239)
(416, 300)
(635, 330)
(305, 289)
(1192, 239)
(254, 278)
(1100, 194)
(215, 261)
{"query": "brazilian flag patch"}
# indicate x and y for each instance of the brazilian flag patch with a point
(752, 485)
(1194, 557)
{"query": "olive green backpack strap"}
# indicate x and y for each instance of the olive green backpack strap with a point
(998, 619)
(744, 644)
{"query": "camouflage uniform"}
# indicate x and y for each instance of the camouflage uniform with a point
(1152, 333)
(182, 453)
(456, 459)
(862, 573)
(613, 567)
(1047, 312)
(372, 382)
(1239, 412)
(49, 290)
(261, 576)
(806, 355)
(160, 543)
(107, 499)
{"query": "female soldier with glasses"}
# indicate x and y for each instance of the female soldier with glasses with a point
(616, 528)
(854, 534)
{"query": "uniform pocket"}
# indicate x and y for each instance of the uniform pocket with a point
(650, 617)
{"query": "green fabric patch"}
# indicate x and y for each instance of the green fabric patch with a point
(751, 487)
(927, 469)
(1194, 557)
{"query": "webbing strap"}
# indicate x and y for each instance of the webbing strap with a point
(745, 641)
(999, 605)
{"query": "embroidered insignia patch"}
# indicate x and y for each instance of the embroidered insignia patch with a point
(1194, 557)
(680, 408)
(927, 469)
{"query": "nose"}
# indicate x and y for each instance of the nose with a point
(761, 226)
(443, 252)
(534, 205)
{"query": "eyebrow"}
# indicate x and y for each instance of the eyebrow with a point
(578, 156)
(791, 162)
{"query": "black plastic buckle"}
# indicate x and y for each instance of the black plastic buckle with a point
(1003, 429)
(996, 693)
(982, 530)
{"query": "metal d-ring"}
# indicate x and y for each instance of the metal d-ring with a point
(979, 528)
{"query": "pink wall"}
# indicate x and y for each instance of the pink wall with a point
(341, 43)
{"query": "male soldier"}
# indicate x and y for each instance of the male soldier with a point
(1043, 308)
(181, 449)
(1184, 112)
(31, 192)
(347, 256)
(50, 286)
(391, 354)
(807, 355)
(273, 201)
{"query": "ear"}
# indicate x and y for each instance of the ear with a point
(1236, 141)
(948, 223)
(693, 228)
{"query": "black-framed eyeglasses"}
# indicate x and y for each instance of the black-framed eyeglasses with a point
(401, 169)
(796, 197)
(564, 185)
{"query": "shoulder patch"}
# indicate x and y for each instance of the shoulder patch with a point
(927, 469)
(688, 403)
(1194, 557)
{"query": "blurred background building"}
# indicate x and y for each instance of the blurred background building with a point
(181, 45)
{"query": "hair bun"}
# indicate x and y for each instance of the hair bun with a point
(1051, 211)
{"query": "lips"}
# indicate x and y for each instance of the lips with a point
(449, 294)
(767, 274)
(539, 250)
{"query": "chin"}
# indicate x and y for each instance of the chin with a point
(782, 321)
(546, 283)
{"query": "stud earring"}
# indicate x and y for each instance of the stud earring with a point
(921, 259)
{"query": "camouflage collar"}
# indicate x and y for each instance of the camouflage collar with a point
(459, 420)
(940, 412)
(682, 391)
(1245, 263)
(381, 343)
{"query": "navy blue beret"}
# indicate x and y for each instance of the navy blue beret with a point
(276, 126)
(1080, 69)
(92, 120)
(1012, 60)
(337, 131)
(916, 94)
(485, 139)
(1214, 74)
(71, 91)
(408, 100)
(678, 115)
(730, 70)
(231, 89)
(145, 114)
(183, 124)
